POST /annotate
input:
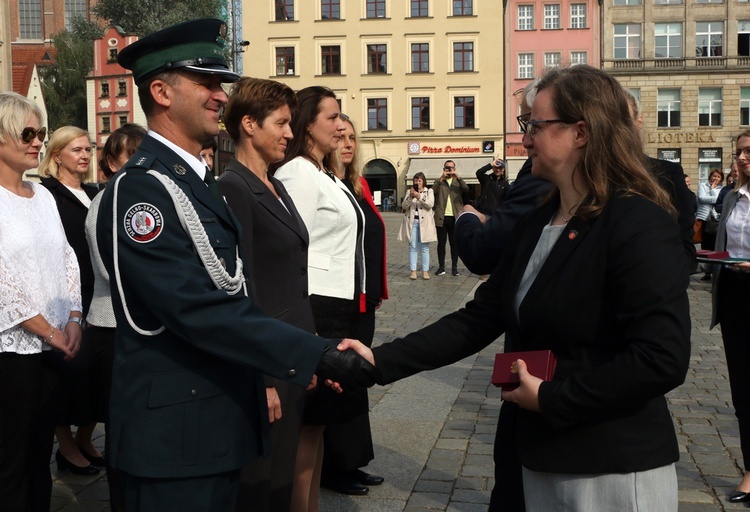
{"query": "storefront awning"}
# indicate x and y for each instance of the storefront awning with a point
(432, 167)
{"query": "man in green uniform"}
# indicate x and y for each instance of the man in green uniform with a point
(188, 406)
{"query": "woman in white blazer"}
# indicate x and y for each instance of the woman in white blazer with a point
(335, 263)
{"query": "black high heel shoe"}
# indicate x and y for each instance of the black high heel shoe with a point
(64, 464)
(94, 460)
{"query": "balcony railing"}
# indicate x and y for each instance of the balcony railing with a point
(736, 61)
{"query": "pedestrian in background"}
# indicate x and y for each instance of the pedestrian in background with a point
(494, 186)
(418, 224)
(449, 189)
(708, 193)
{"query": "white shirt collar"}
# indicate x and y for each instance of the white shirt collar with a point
(196, 164)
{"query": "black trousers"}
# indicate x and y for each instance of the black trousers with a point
(348, 441)
(27, 426)
(734, 309)
(210, 493)
(445, 232)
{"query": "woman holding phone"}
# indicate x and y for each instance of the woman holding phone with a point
(418, 226)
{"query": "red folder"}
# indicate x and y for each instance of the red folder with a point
(540, 363)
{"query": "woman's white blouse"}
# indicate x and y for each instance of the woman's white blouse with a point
(38, 269)
(738, 226)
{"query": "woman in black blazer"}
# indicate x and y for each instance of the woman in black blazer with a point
(731, 302)
(274, 242)
(598, 276)
(64, 169)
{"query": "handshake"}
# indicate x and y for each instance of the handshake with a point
(348, 364)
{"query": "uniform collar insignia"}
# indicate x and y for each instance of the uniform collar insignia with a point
(179, 169)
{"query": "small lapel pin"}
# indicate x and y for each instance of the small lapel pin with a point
(179, 169)
(572, 234)
(141, 160)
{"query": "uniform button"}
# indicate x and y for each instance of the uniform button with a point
(194, 392)
(291, 373)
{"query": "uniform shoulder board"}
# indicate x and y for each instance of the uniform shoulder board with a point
(141, 160)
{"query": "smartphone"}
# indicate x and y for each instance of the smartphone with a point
(416, 187)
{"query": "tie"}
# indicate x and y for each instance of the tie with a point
(211, 182)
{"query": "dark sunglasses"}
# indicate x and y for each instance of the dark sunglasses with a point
(29, 134)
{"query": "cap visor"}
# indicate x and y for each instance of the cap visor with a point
(225, 74)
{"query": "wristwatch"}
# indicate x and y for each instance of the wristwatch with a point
(76, 319)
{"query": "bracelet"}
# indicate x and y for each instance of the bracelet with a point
(76, 319)
(48, 339)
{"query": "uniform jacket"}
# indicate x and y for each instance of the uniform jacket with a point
(423, 208)
(331, 221)
(188, 397)
(73, 215)
(618, 323)
(442, 192)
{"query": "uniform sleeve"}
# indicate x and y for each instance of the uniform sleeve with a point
(158, 276)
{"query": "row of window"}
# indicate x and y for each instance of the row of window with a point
(122, 88)
(105, 122)
(670, 2)
(669, 40)
(669, 107)
(420, 118)
(30, 16)
(331, 9)
(527, 68)
(578, 17)
(376, 58)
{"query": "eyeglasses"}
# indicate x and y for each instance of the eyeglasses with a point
(742, 152)
(534, 125)
(29, 134)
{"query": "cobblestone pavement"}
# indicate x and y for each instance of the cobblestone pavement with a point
(434, 432)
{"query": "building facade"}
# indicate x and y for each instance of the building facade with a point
(421, 79)
(538, 34)
(689, 63)
(112, 96)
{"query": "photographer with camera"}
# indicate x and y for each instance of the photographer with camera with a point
(494, 186)
(418, 226)
(449, 189)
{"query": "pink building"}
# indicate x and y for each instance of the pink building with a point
(540, 33)
(110, 89)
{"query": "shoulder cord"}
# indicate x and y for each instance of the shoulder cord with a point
(192, 225)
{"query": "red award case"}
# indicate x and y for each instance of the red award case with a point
(540, 363)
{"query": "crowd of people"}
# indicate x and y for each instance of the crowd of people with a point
(222, 330)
